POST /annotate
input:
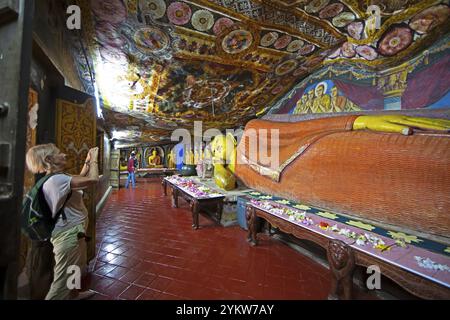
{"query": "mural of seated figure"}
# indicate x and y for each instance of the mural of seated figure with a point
(322, 101)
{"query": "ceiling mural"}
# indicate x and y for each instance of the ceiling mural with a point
(421, 82)
(164, 64)
(401, 31)
(126, 130)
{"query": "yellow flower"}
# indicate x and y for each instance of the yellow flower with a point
(265, 197)
(326, 214)
(405, 237)
(255, 193)
(361, 225)
(302, 207)
(447, 250)
(383, 247)
(283, 201)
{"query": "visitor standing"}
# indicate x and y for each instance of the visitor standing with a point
(131, 167)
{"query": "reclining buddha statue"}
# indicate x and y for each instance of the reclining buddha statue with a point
(388, 168)
(224, 146)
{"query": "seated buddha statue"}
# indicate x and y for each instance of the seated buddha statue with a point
(154, 160)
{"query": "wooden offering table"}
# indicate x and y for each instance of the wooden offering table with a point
(196, 195)
(419, 265)
(151, 172)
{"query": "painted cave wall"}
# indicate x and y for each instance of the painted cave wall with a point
(55, 74)
(420, 85)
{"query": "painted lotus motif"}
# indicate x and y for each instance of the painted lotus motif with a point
(367, 52)
(331, 11)
(335, 53)
(179, 13)
(269, 38)
(307, 49)
(151, 39)
(343, 19)
(355, 29)
(286, 67)
(237, 41)
(295, 45)
(348, 50)
(282, 42)
(202, 20)
(395, 40)
(221, 24)
(156, 8)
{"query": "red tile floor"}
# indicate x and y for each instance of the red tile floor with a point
(147, 250)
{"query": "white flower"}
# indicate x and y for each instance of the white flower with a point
(430, 264)
(345, 232)
(360, 242)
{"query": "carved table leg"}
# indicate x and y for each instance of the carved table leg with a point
(342, 263)
(194, 208)
(175, 197)
(251, 223)
(164, 185)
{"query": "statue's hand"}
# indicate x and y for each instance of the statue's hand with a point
(399, 123)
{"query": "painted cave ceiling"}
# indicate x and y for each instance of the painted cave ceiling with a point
(161, 64)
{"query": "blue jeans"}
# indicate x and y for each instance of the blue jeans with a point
(131, 177)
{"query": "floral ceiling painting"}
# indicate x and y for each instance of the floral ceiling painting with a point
(170, 63)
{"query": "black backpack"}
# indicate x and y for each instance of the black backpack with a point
(36, 217)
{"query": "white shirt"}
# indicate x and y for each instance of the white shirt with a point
(56, 189)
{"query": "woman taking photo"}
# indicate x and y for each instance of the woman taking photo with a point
(62, 191)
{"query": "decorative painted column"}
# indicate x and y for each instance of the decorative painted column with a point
(393, 83)
(115, 168)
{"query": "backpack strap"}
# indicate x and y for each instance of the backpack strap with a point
(41, 181)
(61, 211)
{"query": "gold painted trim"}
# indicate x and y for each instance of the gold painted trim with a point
(216, 59)
(274, 52)
(289, 30)
(195, 34)
(305, 16)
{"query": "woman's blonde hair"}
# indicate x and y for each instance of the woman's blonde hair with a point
(36, 157)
